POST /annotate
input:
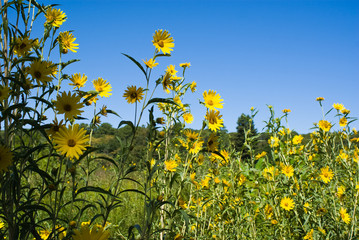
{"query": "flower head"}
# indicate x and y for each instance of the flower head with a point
(343, 122)
(151, 63)
(214, 120)
(133, 94)
(71, 141)
(324, 125)
(170, 165)
(40, 71)
(5, 158)
(212, 100)
(163, 42)
(4, 92)
(90, 98)
(326, 175)
(185, 65)
(77, 80)
(66, 40)
(338, 106)
(193, 86)
(188, 117)
(55, 17)
(319, 99)
(69, 104)
(97, 232)
(288, 170)
(297, 139)
(103, 87)
(287, 203)
(171, 70)
(22, 46)
(212, 143)
(344, 215)
(286, 110)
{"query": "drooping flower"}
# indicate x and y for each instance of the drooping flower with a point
(188, 117)
(344, 215)
(286, 110)
(324, 125)
(5, 158)
(133, 94)
(4, 92)
(167, 82)
(66, 40)
(343, 122)
(319, 99)
(214, 120)
(288, 170)
(326, 175)
(185, 65)
(71, 141)
(103, 87)
(55, 17)
(193, 86)
(97, 232)
(69, 104)
(150, 63)
(77, 80)
(212, 100)
(287, 203)
(212, 143)
(40, 71)
(163, 42)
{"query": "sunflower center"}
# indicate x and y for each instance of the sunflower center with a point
(161, 43)
(71, 143)
(212, 121)
(67, 107)
(133, 95)
(210, 102)
(22, 46)
(37, 74)
(210, 143)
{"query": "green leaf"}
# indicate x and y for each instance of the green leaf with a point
(95, 189)
(162, 100)
(137, 63)
(129, 123)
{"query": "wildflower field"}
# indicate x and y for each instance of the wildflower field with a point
(187, 184)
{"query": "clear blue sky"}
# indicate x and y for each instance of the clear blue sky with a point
(253, 53)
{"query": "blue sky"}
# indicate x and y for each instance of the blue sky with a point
(253, 53)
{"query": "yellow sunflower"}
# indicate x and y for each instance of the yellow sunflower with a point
(324, 125)
(170, 165)
(163, 42)
(55, 17)
(71, 141)
(214, 120)
(185, 65)
(167, 82)
(69, 104)
(344, 215)
(133, 94)
(309, 235)
(5, 158)
(188, 117)
(343, 122)
(212, 100)
(102, 87)
(212, 143)
(171, 70)
(77, 80)
(287, 203)
(338, 106)
(22, 46)
(97, 232)
(319, 99)
(66, 40)
(40, 71)
(288, 170)
(150, 63)
(55, 127)
(326, 175)
(90, 98)
(193, 86)
(4, 92)
(286, 110)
